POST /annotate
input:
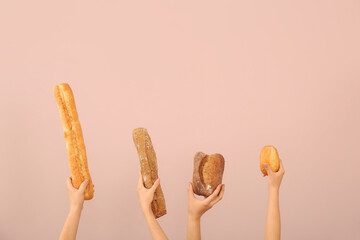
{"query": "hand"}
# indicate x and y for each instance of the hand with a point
(275, 177)
(145, 195)
(76, 196)
(197, 207)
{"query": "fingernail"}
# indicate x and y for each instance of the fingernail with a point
(86, 180)
(265, 165)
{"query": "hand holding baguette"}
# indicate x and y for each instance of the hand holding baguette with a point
(74, 138)
(149, 169)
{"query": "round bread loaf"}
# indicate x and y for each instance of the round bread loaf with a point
(208, 173)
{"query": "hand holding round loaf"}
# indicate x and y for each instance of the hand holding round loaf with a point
(269, 155)
(74, 138)
(208, 173)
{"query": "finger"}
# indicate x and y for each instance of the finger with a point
(140, 182)
(214, 194)
(69, 184)
(281, 166)
(267, 168)
(220, 196)
(155, 185)
(83, 185)
(190, 191)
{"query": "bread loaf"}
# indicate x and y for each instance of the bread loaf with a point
(149, 168)
(73, 138)
(269, 155)
(208, 173)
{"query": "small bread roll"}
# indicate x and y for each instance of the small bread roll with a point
(269, 155)
(208, 173)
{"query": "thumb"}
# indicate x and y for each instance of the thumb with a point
(190, 191)
(155, 185)
(83, 185)
(69, 184)
(267, 168)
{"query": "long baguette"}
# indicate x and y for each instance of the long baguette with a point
(149, 169)
(74, 138)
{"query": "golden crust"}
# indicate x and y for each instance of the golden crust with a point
(269, 155)
(149, 169)
(208, 173)
(74, 138)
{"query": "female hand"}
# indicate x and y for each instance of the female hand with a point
(197, 207)
(145, 195)
(76, 196)
(275, 178)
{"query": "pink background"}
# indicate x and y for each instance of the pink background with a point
(212, 76)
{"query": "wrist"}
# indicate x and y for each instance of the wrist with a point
(147, 211)
(194, 217)
(75, 209)
(273, 190)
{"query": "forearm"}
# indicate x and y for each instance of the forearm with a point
(193, 228)
(71, 225)
(273, 226)
(155, 229)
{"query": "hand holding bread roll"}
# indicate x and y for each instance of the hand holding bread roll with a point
(269, 155)
(208, 173)
(149, 169)
(74, 138)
